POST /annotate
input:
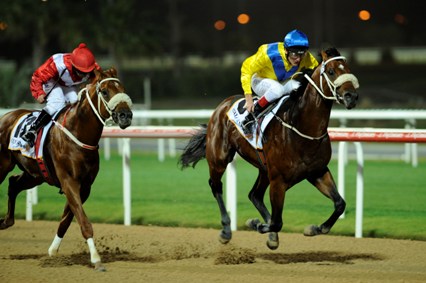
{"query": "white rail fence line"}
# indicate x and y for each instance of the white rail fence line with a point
(356, 135)
(409, 116)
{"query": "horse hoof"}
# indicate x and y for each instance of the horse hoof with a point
(311, 230)
(4, 224)
(253, 223)
(224, 237)
(99, 267)
(273, 241)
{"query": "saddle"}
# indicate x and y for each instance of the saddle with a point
(237, 115)
(268, 109)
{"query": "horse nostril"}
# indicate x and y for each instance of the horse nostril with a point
(121, 115)
(351, 96)
(125, 115)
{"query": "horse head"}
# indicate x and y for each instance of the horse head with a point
(340, 84)
(115, 103)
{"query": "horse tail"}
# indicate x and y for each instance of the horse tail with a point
(195, 150)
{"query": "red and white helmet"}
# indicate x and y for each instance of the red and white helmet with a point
(82, 58)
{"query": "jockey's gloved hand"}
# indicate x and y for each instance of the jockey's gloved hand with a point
(306, 71)
(291, 85)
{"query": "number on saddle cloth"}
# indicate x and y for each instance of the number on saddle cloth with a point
(241, 108)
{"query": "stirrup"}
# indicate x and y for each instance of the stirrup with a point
(248, 129)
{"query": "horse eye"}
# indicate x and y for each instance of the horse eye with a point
(104, 93)
(331, 72)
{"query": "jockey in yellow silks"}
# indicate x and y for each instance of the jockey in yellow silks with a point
(268, 72)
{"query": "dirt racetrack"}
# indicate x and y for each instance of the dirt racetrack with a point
(158, 254)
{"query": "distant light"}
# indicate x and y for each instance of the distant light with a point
(364, 15)
(400, 19)
(243, 19)
(219, 25)
(3, 26)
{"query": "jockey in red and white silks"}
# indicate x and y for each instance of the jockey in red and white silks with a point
(60, 79)
(56, 83)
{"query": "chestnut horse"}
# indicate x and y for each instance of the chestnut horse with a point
(296, 147)
(70, 153)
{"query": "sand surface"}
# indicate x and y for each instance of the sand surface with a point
(158, 254)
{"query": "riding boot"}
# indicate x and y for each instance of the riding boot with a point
(31, 131)
(248, 122)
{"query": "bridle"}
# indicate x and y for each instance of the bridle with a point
(109, 106)
(333, 86)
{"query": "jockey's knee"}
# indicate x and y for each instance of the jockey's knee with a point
(54, 107)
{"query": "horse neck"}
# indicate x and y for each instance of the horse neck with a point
(312, 113)
(84, 124)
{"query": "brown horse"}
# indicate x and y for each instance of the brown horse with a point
(296, 147)
(70, 153)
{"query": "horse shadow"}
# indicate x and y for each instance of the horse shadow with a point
(318, 257)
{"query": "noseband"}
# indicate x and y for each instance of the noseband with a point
(109, 105)
(333, 86)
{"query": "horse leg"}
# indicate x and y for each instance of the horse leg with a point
(326, 185)
(257, 193)
(256, 196)
(17, 184)
(67, 217)
(274, 223)
(72, 190)
(217, 191)
(217, 167)
(6, 165)
(277, 196)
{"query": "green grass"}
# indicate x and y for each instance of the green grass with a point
(162, 194)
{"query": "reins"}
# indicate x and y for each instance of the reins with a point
(297, 131)
(109, 106)
(333, 86)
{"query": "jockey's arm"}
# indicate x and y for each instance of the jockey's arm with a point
(249, 106)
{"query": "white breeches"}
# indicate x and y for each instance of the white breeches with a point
(59, 96)
(272, 89)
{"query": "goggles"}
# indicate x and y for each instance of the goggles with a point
(80, 73)
(296, 53)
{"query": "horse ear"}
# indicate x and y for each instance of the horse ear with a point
(113, 72)
(323, 55)
(97, 73)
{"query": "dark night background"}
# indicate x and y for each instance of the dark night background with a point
(192, 65)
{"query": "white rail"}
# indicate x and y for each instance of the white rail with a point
(356, 135)
(370, 114)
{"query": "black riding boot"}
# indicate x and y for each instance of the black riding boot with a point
(248, 122)
(32, 130)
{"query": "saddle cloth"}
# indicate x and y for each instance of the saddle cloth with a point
(17, 143)
(237, 115)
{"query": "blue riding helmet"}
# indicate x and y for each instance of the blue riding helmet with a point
(297, 40)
